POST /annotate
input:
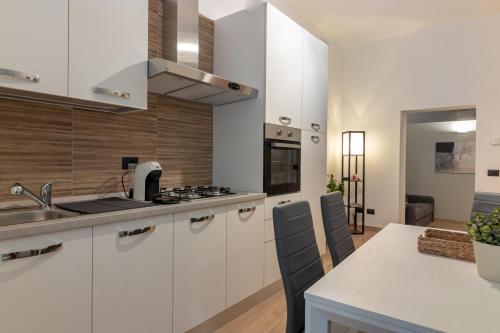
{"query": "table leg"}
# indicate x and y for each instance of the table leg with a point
(316, 322)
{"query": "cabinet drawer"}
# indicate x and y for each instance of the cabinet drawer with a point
(199, 266)
(271, 202)
(245, 254)
(271, 266)
(51, 291)
(133, 264)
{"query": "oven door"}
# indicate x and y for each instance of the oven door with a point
(281, 167)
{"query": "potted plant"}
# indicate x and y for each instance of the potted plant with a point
(334, 185)
(484, 229)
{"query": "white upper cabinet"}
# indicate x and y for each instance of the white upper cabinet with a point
(283, 69)
(314, 83)
(108, 51)
(34, 52)
(46, 283)
(313, 179)
(133, 279)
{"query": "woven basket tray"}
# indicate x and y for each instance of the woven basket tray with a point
(452, 244)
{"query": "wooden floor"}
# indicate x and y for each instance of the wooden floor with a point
(448, 224)
(269, 316)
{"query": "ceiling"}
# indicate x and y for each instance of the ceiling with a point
(354, 22)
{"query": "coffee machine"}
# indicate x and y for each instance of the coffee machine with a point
(147, 181)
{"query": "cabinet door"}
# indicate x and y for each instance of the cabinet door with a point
(313, 179)
(133, 264)
(279, 200)
(271, 266)
(245, 254)
(108, 51)
(314, 83)
(283, 69)
(49, 292)
(34, 39)
(199, 266)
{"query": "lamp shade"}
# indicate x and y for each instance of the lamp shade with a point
(353, 143)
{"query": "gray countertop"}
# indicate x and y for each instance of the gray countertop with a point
(82, 221)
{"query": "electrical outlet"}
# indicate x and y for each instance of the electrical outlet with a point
(370, 211)
(129, 160)
(493, 173)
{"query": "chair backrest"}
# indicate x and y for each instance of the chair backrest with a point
(485, 202)
(298, 257)
(338, 235)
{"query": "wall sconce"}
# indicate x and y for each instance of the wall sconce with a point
(353, 143)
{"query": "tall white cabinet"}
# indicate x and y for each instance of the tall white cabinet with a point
(34, 39)
(289, 66)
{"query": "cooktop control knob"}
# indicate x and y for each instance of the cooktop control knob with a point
(290, 134)
(279, 132)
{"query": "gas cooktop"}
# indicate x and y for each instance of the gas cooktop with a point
(189, 193)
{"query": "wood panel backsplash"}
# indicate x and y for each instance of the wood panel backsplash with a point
(80, 151)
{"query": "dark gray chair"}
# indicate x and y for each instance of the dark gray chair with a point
(298, 257)
(338, 235)
(485, 202)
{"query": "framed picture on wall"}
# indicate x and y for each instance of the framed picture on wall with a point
(456, 157)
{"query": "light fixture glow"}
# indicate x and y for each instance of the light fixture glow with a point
(464, 126)
(188, 47)
(357, 144)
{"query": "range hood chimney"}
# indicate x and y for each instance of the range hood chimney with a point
(177, 75)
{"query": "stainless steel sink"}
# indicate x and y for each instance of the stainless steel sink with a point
(28, 215)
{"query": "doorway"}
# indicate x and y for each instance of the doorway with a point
(439, 167)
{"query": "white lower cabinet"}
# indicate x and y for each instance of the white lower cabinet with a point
(49, 292)
(199, 266)
(245, 254)
(271, 267)
(132, 278)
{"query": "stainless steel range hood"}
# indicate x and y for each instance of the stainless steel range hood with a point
(178, 75)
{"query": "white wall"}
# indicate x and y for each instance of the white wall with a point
(450, 65)
(452, 192)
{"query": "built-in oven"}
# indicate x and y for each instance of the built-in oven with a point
(281, 159)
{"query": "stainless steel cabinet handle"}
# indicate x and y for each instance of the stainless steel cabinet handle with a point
(137, 231)
(111, 92)
(315, 126)
(284, 202)
(315, 139)
(20, 75)
(247, 210)
(285, 120)
(202, 219)
(31, 253)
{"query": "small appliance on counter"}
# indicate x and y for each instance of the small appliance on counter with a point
(147, 181)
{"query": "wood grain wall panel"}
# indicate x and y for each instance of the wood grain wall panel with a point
(185, 142)
(35, 147)
(102, 139)
(206, 41)
(80, 151)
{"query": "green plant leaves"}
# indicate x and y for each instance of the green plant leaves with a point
(485, 228)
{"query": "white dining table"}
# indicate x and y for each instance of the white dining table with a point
(388, 286)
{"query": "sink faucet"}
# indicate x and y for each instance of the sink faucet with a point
(45, 198)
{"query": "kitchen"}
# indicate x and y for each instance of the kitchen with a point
(83, 119)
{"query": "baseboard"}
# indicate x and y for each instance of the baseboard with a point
(238, 309)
